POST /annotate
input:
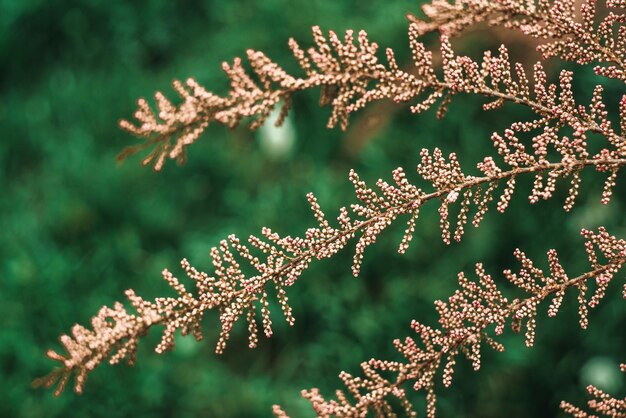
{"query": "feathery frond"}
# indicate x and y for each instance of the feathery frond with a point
(470, 319)
(584, 35)
(280, 261)
(351, 76)
(563, 138)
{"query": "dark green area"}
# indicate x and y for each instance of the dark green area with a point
(77, 228)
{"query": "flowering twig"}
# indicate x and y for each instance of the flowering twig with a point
(579, 35)
(555, 145)
(116, 332)
(466, 319)
(351, 76)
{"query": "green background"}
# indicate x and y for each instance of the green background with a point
(77, 228)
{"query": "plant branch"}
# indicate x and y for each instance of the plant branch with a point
(116, 332)
(465, 318)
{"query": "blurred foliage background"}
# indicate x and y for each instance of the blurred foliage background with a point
(78, 228)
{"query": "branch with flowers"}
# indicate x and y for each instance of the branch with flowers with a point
(563, 139)
(469, 319)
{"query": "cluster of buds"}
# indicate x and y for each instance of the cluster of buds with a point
(472, 317)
